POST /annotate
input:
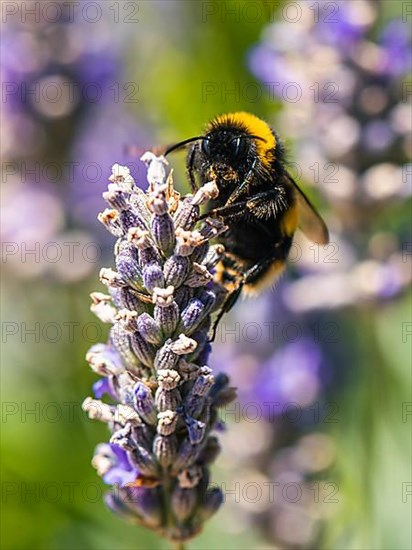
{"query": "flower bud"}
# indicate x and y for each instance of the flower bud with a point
(165, 449)
(183, 502)
(211, 503)
(183, 345)
(127, 264)
(104, 360)
(187, 241)
(149, 329)
(167, 399)
(168, 379)
(102, 307)
(166, 422)
(191, 477)
(191, 316)
(153, 276)
(176, 269)
(146, 502)
(144, 461)
(145, 404)
(156, 171)
(186, 457)
(167, 318)
(144, 351)
(122, 343)
(164, 232)
(127, 320)
(199, 276)
(182, 296)
(110, 278)
(196, 430)
(165, 357)
(110, 219)
(124, 438)
(117, 197)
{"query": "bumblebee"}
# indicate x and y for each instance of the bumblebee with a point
(258, 200)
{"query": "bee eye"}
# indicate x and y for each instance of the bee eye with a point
(205, 147)
(237, 146)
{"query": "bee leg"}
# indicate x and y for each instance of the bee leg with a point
(262, 205)
(233, 285)
(229, 211)
(267, 204)
(226, 307)
(189, 168)
(240, 189)
(248, 277)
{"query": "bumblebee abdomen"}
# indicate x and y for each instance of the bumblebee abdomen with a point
(248, 243)
(266, 279)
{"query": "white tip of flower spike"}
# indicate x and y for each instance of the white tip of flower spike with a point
(156, 168)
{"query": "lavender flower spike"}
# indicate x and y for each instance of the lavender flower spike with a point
(165, 397)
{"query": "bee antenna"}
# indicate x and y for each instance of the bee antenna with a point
(182, 143)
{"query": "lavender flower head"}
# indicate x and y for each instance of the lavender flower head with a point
(154, 366)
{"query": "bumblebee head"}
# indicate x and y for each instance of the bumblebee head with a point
(223, 145)
(230, 146)
(226, 146)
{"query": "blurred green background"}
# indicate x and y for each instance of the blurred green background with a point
(87, 86)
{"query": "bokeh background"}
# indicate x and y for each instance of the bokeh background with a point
(317, 450)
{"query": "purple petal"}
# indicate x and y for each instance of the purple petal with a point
(122, 472)
(103, 387)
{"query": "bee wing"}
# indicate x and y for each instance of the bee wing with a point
(310, 221)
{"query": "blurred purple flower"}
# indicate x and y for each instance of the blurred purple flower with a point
(390, 282)
(341, 26)
(103, 135)
(290, 375)
(22, 206)
(395, 39)
(378, 135)
(271, 68)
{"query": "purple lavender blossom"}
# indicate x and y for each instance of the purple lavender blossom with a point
(166, 399)
(119, 470)
(103, 387)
